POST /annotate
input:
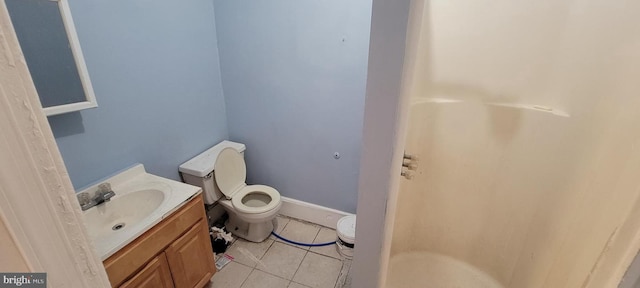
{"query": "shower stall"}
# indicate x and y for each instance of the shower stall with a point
(522, 150)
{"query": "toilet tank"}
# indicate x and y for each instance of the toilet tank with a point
(199, 170)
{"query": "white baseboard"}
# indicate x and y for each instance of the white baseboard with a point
(313, 213)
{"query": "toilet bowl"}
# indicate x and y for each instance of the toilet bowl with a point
(251, 208)
(254, 227)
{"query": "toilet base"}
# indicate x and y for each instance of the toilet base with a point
(254, 232)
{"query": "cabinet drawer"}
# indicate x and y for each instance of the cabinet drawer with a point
(155, 275)
(132, 257)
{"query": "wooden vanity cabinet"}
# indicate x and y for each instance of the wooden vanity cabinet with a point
(191, 267)
(174, 253)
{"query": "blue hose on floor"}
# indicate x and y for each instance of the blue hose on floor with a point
(302, 244)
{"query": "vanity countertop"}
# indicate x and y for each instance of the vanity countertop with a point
(142, 200)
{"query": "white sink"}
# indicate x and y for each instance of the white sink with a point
(122, 213)
(141, 201)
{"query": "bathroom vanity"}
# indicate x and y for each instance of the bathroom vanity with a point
(153, 233)
(174, 253)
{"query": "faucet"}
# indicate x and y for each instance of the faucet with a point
(103, 194)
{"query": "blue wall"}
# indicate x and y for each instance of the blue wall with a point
(155, 71)
(294, 76)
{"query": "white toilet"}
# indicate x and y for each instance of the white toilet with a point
(222, 174)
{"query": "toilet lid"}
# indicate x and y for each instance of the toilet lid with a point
(230, 172)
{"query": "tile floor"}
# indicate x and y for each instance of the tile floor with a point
(277, 264)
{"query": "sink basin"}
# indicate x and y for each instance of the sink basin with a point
(141, 201)
(122, 213)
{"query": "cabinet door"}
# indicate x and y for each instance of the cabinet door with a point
(156, 274)
(191, 258)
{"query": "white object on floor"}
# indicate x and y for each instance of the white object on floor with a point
(250, 207)
(428, 270)
(219, 233)
(346, 232)
(222, 261)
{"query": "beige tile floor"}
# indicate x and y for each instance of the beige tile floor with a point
(275, 263)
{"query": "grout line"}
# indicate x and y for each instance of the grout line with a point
(339, 275)
(335, 285)
(241, 264)
(285, 225)
(298, 284)
(274, 275)
(314, 252)
(316, 237)
(265, 254)
(257, 264)
(297, 269)
(245, 279)
(344, 277)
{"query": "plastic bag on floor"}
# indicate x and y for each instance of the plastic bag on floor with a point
(220, 239)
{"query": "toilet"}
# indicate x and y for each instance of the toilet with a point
(222, 173)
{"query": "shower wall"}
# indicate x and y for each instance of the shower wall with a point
(524, 117)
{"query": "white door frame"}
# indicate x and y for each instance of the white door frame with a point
(383, 141)
(37, 201)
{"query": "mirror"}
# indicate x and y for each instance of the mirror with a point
(51, 48)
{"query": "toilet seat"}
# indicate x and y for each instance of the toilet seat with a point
(259, 193)
(231, 174)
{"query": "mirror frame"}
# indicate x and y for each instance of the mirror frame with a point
(83, 72)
